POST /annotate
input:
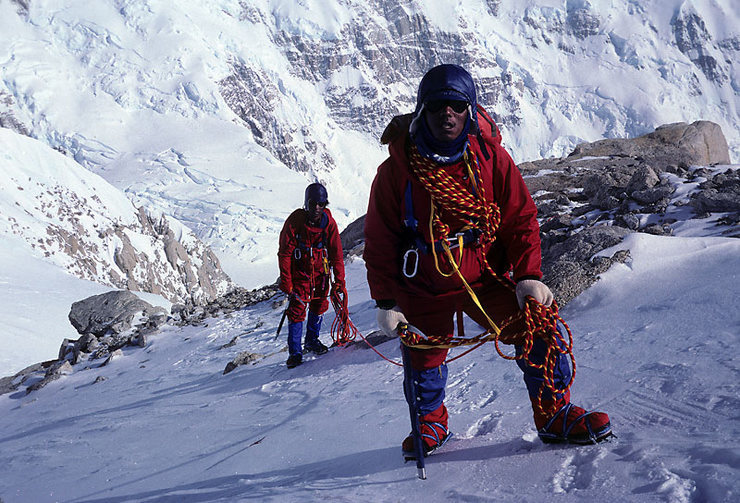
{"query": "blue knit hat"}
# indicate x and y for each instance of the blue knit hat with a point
(451, 82)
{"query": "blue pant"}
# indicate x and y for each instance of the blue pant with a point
(295, 332)
(430, 388)
(534, 378)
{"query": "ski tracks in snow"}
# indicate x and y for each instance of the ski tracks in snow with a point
(683, 455)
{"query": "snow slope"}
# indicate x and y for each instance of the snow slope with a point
(36, 297)
(655, 347)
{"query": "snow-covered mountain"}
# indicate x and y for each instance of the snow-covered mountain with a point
(219, 112)
(76, 220)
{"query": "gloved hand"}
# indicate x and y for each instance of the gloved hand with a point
(338, 288)
(388, 320)
(535, 289)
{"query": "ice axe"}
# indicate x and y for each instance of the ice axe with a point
(285, 312)
(282, 320)
(410, 389)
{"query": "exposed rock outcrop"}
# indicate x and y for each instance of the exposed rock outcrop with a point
(79, 222)
(590, 200)
(107, 323)
(700, 143)
(112, 313)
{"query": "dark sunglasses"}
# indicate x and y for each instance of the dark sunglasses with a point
(312, 203)
(457, 106)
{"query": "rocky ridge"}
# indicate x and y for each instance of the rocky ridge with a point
(81, 223)
(590, 200)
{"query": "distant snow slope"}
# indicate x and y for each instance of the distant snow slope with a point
(219, 112)
(35, 300)
(78, 221)
(655, 341)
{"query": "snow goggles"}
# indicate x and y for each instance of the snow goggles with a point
(457, 106)
(312, 203)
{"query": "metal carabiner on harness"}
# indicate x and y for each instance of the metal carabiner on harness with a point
(297, 254)
(410, 252)
(455, 241)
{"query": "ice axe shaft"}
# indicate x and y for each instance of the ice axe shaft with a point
(285, 312)
(282, 320)
(410, 389)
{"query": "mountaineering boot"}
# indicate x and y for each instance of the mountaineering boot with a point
(295, 334)
(294, 361)
(313, 326)
(569, 423)
(434, 433)
(559, 420)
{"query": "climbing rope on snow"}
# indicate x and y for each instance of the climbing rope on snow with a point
(343, 331)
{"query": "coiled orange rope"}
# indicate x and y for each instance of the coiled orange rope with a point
(343, 331)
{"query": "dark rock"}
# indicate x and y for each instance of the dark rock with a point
(567, 265)
(628, 220)
(720, 193)
(242, 359)
(111, 312)
(353, 237)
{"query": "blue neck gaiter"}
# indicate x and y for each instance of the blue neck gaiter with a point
(442, 152)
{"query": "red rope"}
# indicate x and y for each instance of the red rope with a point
(343, 331)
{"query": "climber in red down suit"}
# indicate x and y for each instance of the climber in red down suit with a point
(309, 250)
(448, 179)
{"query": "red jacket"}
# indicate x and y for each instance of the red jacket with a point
(517, 244)
(303, 248)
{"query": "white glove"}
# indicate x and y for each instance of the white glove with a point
(535, 289)
(388, 320)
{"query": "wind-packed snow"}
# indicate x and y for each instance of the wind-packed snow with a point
(655, 341)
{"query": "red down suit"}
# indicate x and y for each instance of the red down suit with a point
(307, 255)
(430, 298)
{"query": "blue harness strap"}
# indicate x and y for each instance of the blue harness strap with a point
(412, 225)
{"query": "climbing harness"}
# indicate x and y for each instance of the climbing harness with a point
(307, 249)
(416, 243)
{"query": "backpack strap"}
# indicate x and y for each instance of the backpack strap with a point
(410, 223)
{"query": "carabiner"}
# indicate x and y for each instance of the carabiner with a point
(406, 262)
